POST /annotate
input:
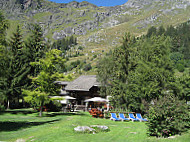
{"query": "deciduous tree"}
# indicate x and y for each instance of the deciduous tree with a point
(44, 83)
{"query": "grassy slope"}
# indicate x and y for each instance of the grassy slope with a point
(112, 37)
(107, 38)
(59, 127)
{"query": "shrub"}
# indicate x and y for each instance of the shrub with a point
(180, 67)
(2, 107)
(168, 116)
(73, 65)
(87, 67)
(94, 56)
(80, 48)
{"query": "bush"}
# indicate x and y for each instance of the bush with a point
(168, 116)
(180, 67)
(2, 107)
(73, 65)
(94, 56)
(87, 67)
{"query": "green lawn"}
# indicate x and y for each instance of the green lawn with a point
(26, 125)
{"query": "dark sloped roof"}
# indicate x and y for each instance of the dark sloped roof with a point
(83, 83)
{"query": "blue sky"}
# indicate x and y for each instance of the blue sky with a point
(96, 2)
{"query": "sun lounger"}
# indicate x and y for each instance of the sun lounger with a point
(114, 117)
(122, 117)
(138, 115)
(132, 117)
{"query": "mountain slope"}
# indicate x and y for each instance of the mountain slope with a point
(60, 20)
(98, 29)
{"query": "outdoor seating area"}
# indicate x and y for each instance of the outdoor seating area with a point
(123, 117)
(116, 116)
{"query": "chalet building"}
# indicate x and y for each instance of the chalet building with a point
(63, 84)
(82, 88)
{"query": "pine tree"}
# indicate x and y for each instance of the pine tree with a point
(136, 71)
(35, 48)
(151, 31)
(3, 27)
(3, 57)
(113, 71)
(161, 30)
(16, 72)
(183, 85)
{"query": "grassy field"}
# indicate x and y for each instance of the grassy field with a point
(25, 125)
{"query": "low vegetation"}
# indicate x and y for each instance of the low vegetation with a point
(24, 124)
(168, 116)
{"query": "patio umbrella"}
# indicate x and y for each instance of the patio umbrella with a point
(69, 98)
(65, 99)
(96, 99)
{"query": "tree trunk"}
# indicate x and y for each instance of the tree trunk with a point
(18, 105)
(8, 105)
(40, 114)
(23, 103)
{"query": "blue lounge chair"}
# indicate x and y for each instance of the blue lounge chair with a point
(132, 117)
(138, 115)
(122, 117)
(114, 117)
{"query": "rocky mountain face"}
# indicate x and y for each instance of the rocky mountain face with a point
(61, 20)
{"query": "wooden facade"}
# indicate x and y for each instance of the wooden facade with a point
(81, 96)
(82, 88)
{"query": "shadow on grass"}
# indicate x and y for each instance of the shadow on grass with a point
(54, 114)
(13, 126)
(25, 112)
(47, 114)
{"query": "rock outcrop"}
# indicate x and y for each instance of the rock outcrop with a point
(84, 129)
(93, 128)
(61, 20)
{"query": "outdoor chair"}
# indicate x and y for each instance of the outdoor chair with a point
(114, 117)
(122, 117)
(138, 116)
(132, 117)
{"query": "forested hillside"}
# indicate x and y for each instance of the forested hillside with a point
(180, 49)
(145, 68)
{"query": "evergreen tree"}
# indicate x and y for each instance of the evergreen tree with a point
(15, 70)
(151, 31)
(170, 31)
(136, 71)
(18, 68)
(35, 48)
(113, 72)
(161, 30)
(3, 27)
(183, 86)
(3, 57)
(154, 71)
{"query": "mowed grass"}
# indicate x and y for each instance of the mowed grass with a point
(59, 127)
